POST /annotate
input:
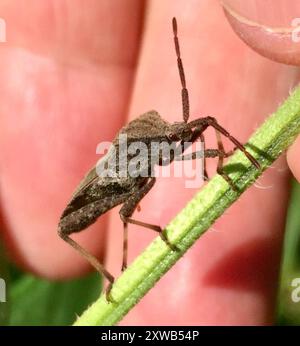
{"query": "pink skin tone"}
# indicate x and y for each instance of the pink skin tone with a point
(67, 76)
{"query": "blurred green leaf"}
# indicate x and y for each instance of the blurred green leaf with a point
(288, 310)
(36, 301)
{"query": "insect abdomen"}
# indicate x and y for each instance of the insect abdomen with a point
(88, 214)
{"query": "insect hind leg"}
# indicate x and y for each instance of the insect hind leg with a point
(78, 220)
(92, 260)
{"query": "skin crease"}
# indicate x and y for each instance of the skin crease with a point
(230, 275)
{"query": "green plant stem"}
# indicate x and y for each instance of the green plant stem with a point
(266, 145)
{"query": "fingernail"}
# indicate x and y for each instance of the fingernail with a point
(271, 28)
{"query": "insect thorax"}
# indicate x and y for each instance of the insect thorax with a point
(137, 148)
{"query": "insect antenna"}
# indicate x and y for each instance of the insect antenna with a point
(184, 91)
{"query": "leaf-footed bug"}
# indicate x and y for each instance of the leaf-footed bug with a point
(96, 195)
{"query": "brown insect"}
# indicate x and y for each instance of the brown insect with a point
(96, 195)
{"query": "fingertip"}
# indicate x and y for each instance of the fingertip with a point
(273, 32)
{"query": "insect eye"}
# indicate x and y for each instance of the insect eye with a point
(173, 137)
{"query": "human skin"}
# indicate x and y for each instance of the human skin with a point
(71, 75)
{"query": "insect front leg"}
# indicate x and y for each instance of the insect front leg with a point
(204, 123)
(220, 169)
(128, 209)
(211, 153)
(198, 133)
(182, 146)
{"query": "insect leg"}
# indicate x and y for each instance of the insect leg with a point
(128, 209)
(204, 157)
(220, 153)
(220, 162)
(92, 260)
(203, 123)
(125, 245)
(78, 220)
(181, 147)
(208, 153)
(198, 133)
